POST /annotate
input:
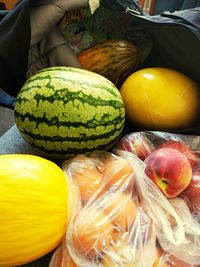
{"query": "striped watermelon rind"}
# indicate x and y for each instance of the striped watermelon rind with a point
(65, 111)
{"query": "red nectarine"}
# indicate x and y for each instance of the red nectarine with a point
(182, 147)
(138, 144)
(170, 170)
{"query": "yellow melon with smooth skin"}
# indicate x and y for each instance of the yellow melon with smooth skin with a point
(33, 208)
(161, 99)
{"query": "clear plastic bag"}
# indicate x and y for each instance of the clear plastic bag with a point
(192, 195)
(122, 218)
(164, 259)
(110, 228)
(177, 229)
(143, 144)
(61, 257)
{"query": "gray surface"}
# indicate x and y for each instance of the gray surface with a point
(11, 142)
(6, 119)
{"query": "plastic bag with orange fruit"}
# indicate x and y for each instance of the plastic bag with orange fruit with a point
(61, 257)
(110, 228)
(164, 259)
(177, 230)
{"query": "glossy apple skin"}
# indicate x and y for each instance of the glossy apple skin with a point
(170, 170)
(184, 148)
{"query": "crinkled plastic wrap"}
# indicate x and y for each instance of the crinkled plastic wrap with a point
(122, 218)
(144, 143)
(176, 220)
(110, 228)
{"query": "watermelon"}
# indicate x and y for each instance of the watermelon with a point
(65, 111)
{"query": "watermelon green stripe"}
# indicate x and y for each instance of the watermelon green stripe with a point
(63, 145)
(65, 111)
(49, 78)
(72, 111)
(105, 121)
(66, 132)
(83, 84)
(105, 114)
(71, 70)
(58, 73)
(84, 136)
(79, 96)
(70, 151)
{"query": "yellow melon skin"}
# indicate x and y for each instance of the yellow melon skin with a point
(33, 208)
(161, 99)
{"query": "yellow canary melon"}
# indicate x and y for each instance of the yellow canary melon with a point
(161, 99)
(33, 208)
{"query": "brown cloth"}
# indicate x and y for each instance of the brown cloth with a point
(30, 41)
(48, 47)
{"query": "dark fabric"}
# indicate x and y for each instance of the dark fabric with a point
(190, 4)
(2, 6)
(176, 39)
(3, 13)
(42, 262)
(29, 42)
(14, 46)
(6, 100)
(191, 17)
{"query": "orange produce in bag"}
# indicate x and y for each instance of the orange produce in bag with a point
(61, 258)
(85, 175)
(110, 227)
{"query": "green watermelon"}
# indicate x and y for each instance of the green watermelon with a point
(66, 111)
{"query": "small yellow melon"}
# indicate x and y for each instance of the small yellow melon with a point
(161, 99)
(33, 208)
